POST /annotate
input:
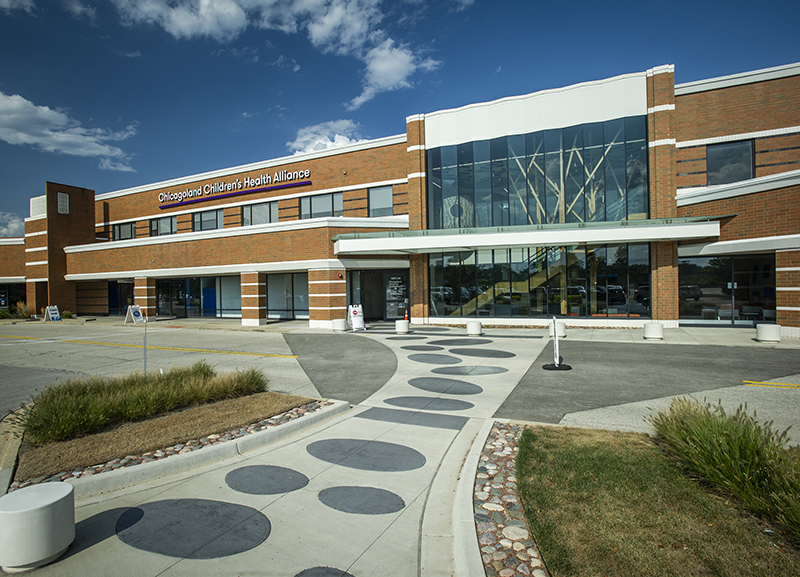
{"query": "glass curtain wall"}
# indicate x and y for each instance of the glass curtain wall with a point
(584, 173)
(577, 281)
(287, 296)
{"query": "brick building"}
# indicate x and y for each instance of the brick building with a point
(608, 203)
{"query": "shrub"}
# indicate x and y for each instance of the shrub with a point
(738, 455)
(79, 407)
(21, 310)
(66, 314)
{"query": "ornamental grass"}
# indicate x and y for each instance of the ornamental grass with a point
(80, 407)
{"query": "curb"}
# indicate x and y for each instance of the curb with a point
(127, 476)
(9, 447)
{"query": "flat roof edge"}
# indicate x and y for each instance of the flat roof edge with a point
(774, 73)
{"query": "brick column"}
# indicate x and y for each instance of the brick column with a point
(417, 182)
(787, 285)
(327, 297)
(144, 295)
(254, 298)
(664, 282)
(419, 288)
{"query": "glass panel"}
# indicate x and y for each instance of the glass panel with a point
(436, 280)
(469, 291)
(754, 288)
(451, 211)
(534, 144)
(636, 170)
(639, 275)
(305, 207)
(279, 296)
(499, 152)
(599, 298)
(260, 214)
(466, 185)
(229, 296)
(595, 190)
(321, 205)
(519, 295)
(484, 273)
(338, 205)
(502, 283)
(517, 182)
(537, 281)
(617, 281)
(573, 174)
(273, 211)
(554, 180)
(483, 184)
(435, 189)
(704, 292)
(729, 162)
(615, 182)
(557, 280)
(380, 201)
(576, 281)
(451, 294)
(300, 295)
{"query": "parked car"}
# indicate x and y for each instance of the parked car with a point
(689, 292)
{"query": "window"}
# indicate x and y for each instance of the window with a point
(163, 226)
(208, 220)
(729, 162)
(380, 201)
(322, 205)
(262, 213)
(124, 231)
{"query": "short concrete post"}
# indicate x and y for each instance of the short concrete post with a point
(37, 524)
(474, 328)
(653, 331)
(401, 326)
(768, 333)
(339, 325)
(561, 327)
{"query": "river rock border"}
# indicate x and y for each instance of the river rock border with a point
(179, 449)
(507, 548)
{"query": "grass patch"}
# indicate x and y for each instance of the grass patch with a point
(79, 407)
(737, 455)
(611, 503)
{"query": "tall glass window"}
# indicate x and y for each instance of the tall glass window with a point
(380, 201)
(262, 213)
(207, 220)
(729, 162)
(163, 226)
(585, 173)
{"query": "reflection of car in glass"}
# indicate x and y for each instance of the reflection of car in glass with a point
(690, 292)
(616, 294)
(643, 294)
(576, 291)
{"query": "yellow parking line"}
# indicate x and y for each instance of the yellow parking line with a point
(776, 385)
(203, 351)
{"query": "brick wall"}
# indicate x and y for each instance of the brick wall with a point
(787, 267)
(13, 258)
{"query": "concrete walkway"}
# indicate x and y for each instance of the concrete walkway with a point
(386, 488)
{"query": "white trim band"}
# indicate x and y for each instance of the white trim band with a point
(787, 308)
(663, 69)
(12, 241)
(30, 234)
(747, 245)
(741, 136)
(36, 263)
(415, 147)
(36, 280)
(661, 108)
(34, 249)
(11, 279)
(416, 175)
(327, 308)
(787, 288)
(697, 195)
(662, 142)
(333, 281)
(787, 268)
(327, 295)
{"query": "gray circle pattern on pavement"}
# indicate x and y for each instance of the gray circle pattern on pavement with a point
(265, 480)
(469, 370)
(421, 348)
(323, 572)
(408, 338)
(361, 500)
(465, 342)
(429, 403)
(483, 353)
(193, 528)
(445, 386)
(367, 455)
(434, 359)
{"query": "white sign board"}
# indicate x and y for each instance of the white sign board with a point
(135, 314)
(355, 315)
(52, 314)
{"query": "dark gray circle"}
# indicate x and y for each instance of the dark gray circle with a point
(469, 370)
(421, 348)
(430, 329)
(323, 572)
(265, 480)
(483, 353)
(193, 528)
(465, 342)
(367, 455)
(433, 359)
(361, 500)
(408, 338)
(429, 403)
(445, 386)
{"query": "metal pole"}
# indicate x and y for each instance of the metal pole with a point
(145, 346)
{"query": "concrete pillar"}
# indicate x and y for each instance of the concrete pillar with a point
(144, 295)
(254, 298)
(327, 297)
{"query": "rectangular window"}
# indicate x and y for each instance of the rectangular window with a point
(305, 207)
(208, 220)
(321, 205)
(380, 201)
(729, 162)
(124, 231)
(262, 213)
(163, 226)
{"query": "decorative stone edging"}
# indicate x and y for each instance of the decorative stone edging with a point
(507, 547)
(179, 449)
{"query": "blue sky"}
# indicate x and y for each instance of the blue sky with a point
(110, 94)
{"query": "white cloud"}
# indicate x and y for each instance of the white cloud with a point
(9, 5)
(344, 27)
(78, 9)
(284, 62)
(325, 136)
(11, 224)
(24, 123)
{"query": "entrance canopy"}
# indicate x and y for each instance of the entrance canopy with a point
(467, 239)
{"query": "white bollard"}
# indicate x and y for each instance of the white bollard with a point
(768, 333)
(401, 326)
(653, 331)
(339, 325)
(474, 328)
(37, 524)
(561, 326)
